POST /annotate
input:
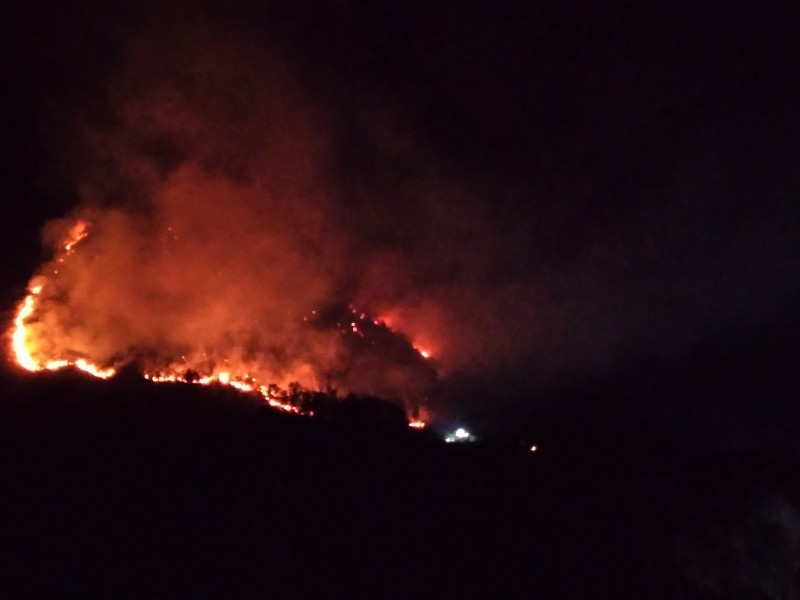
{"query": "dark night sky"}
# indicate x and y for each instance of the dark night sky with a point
(633, 170)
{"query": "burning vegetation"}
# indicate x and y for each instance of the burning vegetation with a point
(364, 355)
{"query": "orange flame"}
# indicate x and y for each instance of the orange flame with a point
(75, 235)
(19, 336)
(21, 346)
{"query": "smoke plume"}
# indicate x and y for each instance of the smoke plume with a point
(227, 206)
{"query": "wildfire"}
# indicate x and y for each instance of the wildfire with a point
(27, 354)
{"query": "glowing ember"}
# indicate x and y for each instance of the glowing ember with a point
(423, 350)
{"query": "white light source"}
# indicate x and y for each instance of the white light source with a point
(462, 433)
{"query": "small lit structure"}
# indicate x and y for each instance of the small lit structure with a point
(459, 435)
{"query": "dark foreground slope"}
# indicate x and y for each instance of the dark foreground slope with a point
(126, 489)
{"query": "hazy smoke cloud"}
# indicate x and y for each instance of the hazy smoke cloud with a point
(235, 182)
(223, 211)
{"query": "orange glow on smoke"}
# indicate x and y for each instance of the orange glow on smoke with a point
(31, 354)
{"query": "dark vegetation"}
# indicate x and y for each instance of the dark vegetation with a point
(127, 489)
